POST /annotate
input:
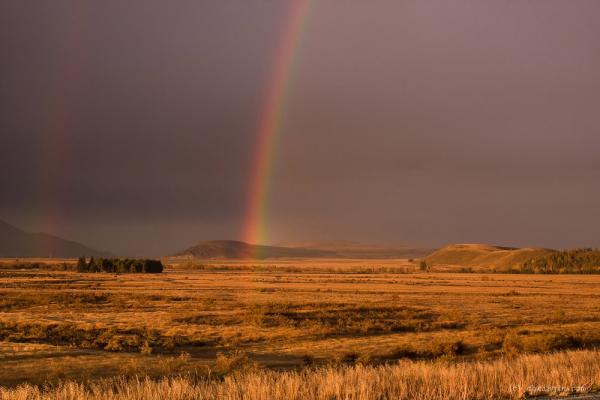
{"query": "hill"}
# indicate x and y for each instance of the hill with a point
(576, 261)
(484, 256)
(15, 242)
(231, 249)
(348, 249)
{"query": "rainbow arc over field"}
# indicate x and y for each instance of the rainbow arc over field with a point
(270, 124)
(62, 115)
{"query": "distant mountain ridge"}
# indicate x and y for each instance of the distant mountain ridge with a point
(232, 249)
(15, 242)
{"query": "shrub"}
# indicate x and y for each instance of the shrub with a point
(152, 266)
(308, 360)
(119, 265)
(172, 365)
(234, 362)
(146, 349)
(525, 342)
(347, 358)
(449, 349)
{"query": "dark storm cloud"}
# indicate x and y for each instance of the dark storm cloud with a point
(406, 121)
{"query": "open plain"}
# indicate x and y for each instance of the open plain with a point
(224, 317)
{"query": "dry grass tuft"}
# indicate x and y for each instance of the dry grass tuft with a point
(507, 378)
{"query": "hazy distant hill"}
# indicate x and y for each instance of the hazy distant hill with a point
(347, 249)
(232, 249)
(17, 243)
(481, 255)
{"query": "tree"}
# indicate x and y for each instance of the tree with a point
(82, 265)
(152, 266)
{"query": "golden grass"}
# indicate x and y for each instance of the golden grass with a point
(555, 374)
(482, 258)
(281, 315)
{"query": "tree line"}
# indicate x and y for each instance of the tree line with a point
(119, 265)
(578, 261)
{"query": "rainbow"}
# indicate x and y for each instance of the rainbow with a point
(270, 125)
(61, 114)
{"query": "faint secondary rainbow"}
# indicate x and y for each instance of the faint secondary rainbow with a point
(61, 113)
(271, 120)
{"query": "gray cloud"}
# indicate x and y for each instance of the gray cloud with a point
(133, 124)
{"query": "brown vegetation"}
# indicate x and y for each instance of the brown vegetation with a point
(556, 374)
(483, 258)
(235, 316)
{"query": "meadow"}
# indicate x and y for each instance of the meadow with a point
(339, 328)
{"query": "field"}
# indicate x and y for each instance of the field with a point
(297, 321)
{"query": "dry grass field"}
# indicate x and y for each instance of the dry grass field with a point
(523, 377)
(279, 327)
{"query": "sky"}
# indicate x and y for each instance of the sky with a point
(131, 125)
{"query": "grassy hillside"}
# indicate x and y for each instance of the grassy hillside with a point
(577, 261)
(481, 256)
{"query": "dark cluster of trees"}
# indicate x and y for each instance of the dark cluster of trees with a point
(578, 261)
(119, 265)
